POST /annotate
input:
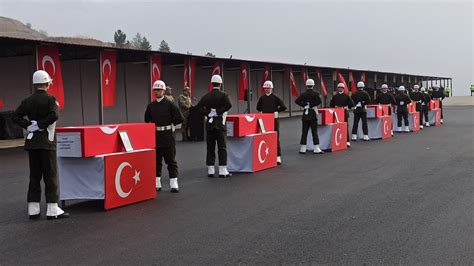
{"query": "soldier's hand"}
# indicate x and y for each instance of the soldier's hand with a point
(33, 127)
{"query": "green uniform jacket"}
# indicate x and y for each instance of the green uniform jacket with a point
(43, 108)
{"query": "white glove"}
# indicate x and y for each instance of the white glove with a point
(359, 104)
(315, 109)
(33, 127)
(402, 102)
(212, 113)
(306, 108)
(275, 114)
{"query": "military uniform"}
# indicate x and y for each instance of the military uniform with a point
(343, 100)
(165, 114)
(361, 98)
(386, 98)
(402, 100)
(272, 104)
(215, 127)
(418, 97)
(309, 100)
(184, 103)
(425, 107)
(41, 145)
(439, 94)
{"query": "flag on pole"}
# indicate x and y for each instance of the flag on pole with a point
(216, 70)
(342, 80)
(108, 61)
(155, 70)
(266, 76)
(323, 86)
(294, 89)
(353, 83)
(47, 59)
(243, 81)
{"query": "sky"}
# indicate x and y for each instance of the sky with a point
(418, 37)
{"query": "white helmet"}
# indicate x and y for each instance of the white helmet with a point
(268, 85)
(416, 86)
(309, 82)
(340, 85)
(159, 85)
(216, 79)
(401, 88)
(384, 86)
(422, 89)
(41, 77)
(360, 84)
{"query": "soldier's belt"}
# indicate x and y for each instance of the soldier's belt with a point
(164, 128)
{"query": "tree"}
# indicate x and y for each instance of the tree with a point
(120, 38)
(210, 54)
(28, 25)
(164, 47)
(140, 42)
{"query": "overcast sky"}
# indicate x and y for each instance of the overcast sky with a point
(419, 37)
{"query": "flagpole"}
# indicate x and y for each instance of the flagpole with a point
(249, 94)
(101, 104)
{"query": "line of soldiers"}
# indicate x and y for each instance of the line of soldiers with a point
(39, 112)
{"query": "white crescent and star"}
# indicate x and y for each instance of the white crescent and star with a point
(155, 66)
(109, 130)
(118, 174)
(105, 63)
(338, 136)
(385, 127)
(48, 58)
(244, 72)
(267, 150)
(249, 118)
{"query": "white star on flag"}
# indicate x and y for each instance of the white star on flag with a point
(136, 177)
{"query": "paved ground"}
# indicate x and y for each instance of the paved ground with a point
(408, 200)
(459, 101)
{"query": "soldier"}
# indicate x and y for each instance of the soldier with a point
(419, 98)
(309, 100)
(270, 103)
(402, 100)
(184, 103)
(165, 114)
(386, 98)
(361, 98)
(216, 104)
(343, 100)
(438, 94)
(41, 110)
(424, 106)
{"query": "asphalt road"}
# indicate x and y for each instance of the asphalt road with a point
(407, 200)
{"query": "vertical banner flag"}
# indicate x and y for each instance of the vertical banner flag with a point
(155, 69)
(108, 61)
(353, 83)
(266, 76)
(216, 70)
(362, 77)
(1, 104)
(192, 74)
(186, 72)
(341, 79)
(243, 81)
(294, 89)
(304, 74)
(47, 59)
(323, 86)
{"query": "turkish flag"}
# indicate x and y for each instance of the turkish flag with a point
(129, 177)
(304, 74)
(1, 104)
(108, 61)
(243, 81)
(352, 81)
(342, 80)
(294, 89)
(266, 76)
(155, 72)
(47, 59)
(386, 127)
(264, 151)
(362, 76)
(216, 70)
(339, 136)
(189, 73)
(323, 86)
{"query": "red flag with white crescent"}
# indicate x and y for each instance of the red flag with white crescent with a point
(353, 83)
(294, 89)
(186, 73)
(266, 76)
(341, 79)
(362, 76)
(243, 81)
(323, 86)
(304, 74)
(108, 61)
(155, 69)
(47, 59)
(192, 74)
(216, 70)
